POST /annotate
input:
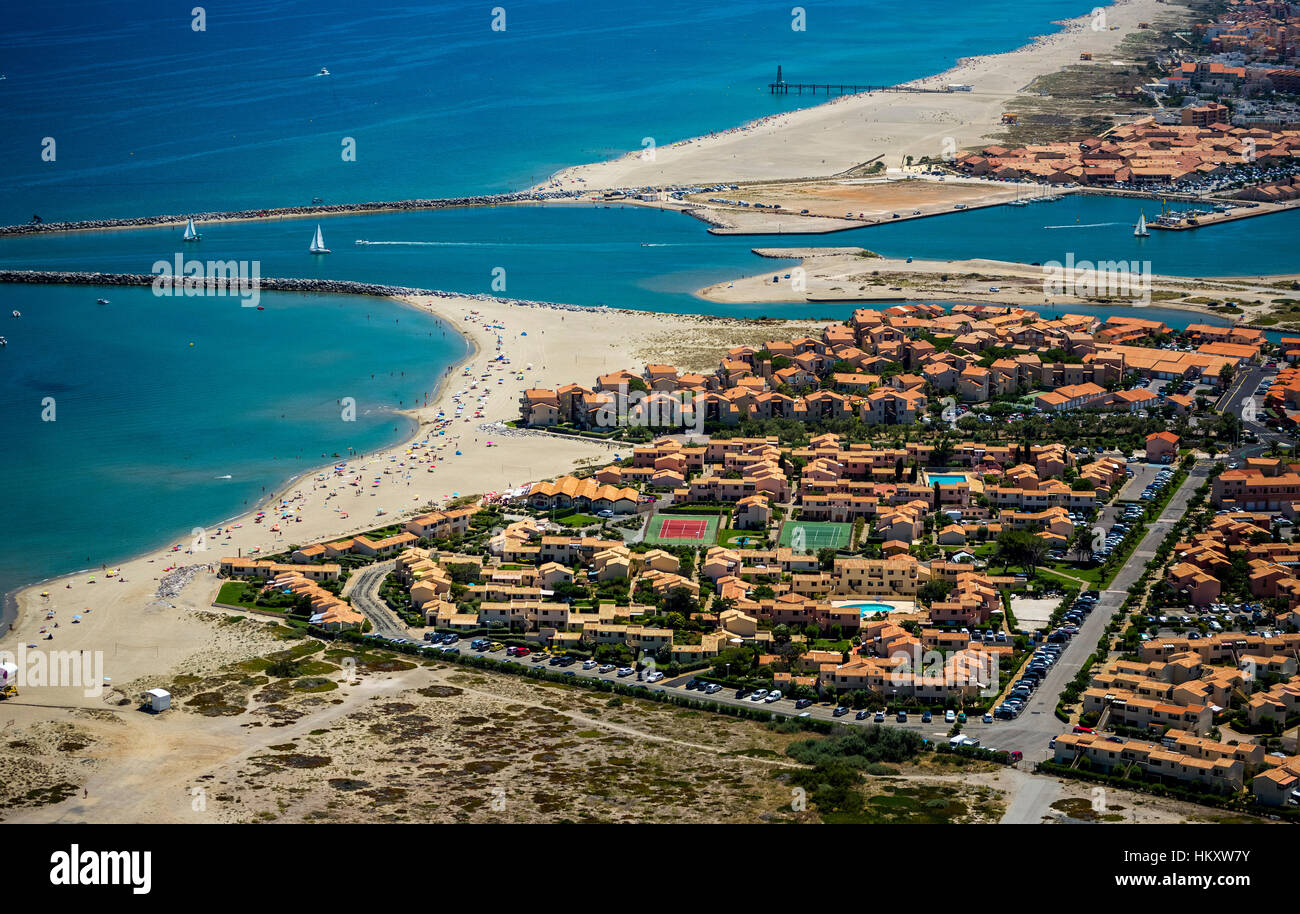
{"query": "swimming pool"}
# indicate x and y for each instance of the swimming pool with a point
(946, 479)
(865, 609)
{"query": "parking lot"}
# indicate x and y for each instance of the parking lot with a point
(1143, 475)
(1029, 730)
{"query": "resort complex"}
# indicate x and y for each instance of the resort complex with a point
(602, 501)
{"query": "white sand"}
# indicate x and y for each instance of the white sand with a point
(844, 274)
(142, 635)
(851, 130)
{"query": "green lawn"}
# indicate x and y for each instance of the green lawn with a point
(231, 591)
(577, 520)
(1091, 575)
(742, 539)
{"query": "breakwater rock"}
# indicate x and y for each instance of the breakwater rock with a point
(332, 209)
(214, 285)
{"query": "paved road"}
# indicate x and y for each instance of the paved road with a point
(1037, 725)
(1030, 732)
(1243, 388)
(1032, 799)
(366, 600)
(1234, 402)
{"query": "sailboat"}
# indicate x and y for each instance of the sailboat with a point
(1141, 230)
(318, 243)
(191, 233)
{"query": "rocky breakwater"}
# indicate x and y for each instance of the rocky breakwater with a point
(214, 284)
(291, 212)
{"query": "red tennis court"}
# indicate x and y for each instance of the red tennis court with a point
(680, 529)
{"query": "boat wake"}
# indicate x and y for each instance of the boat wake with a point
(1087, 225)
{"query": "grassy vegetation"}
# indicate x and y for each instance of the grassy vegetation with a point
(730, 538)
(233, 593)
(577, 520)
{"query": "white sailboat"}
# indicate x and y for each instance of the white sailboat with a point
(191, 233)
(318, 243)
(1141, 230)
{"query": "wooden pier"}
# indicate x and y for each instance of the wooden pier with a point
(781, 87)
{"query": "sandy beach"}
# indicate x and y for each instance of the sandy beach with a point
(851, 274)
(832, 138)
(143, 634)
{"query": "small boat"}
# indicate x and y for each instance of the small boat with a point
(101, 301)
(18, 314)
(323, 72)
(191, 233)
(1141, 230)
(318, 243)
(3, 341)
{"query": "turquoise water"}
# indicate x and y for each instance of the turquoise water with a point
(946, 479)
(150, 116)
(869, 609)
(152, 436)
(633, 257)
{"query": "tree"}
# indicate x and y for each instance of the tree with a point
(934, 591)
(1082, 545)
(1226, 374)
(680, 600)
(1020, 547)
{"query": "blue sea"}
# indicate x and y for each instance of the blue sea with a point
(115, 109)
(150, 116)
(133, 422)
